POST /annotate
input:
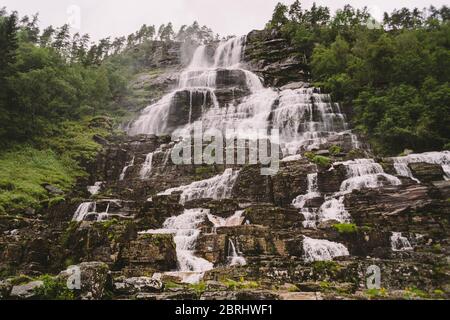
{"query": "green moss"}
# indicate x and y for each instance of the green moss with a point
(240, 285)
(199, 288)
(54, 289)
(376, 293)
(325, 267)
(20, 279)
(335, 150)
(437, 248)
(319, 160)
(345, 228)
(172, 285)
(414, 293)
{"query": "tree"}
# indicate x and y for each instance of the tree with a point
(279, 16)
(46, 37)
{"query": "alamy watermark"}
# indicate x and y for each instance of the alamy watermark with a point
(74, 17)
(74, 279)
(373, 280)
(216, 147)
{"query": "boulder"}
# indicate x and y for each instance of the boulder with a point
(25, 291)
(93, 279)
(135, 285)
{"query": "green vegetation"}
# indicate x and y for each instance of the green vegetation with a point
(345, 227)
(395, 74)
(376, 293)
(242, 284)
(25, 171)
(335, 150)
(199, 288)
(54, 289)
(325, 268)
(319, 160)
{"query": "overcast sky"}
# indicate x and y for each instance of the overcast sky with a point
(102, 18)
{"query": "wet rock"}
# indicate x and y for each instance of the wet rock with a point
(329, 181)
(274, 217)
(94, 279)
(25, 291)
(427, 172)
(5, 289)
(137, 285)
(149, 252)
(53, 190)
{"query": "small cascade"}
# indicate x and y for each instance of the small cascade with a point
(125, 169)
(322, 250)
(185, 230)
(366, 174)
(147, 166)
(235, 220)
(401, 164)
(102, 216)
(218, 187)
(83, 210)
(310, 214)
(307, 119)
(95, 189)
(234, 257)
(334, 209)
(400, 243)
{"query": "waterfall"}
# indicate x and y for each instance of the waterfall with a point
(310, 214)
(401, 164)
(125, 169)
(334, 209)
(234, 257)
(147, 166)
(235, 220)
(366, 173)
(305, 117)
(400, 243)
(322, 250)
(218, 187)
(185, 230)
(83, 210)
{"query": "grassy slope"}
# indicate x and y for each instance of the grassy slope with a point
(25, 169)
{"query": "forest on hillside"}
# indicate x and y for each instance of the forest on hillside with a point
(58, 90)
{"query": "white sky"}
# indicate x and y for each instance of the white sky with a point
(102, 18)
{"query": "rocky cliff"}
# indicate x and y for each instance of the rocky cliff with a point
(143, 227)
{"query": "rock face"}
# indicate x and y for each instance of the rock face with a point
(311, 230)
(275, 59)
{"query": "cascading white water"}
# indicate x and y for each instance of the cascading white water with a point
(400, 243)
(334, 210)
(234, 257)
(185, 230)
(235, 220)
(366, 173)
(310, 214)
(322, 250)
(147, 166)
(401, 164)
(125, 169)
(83, 210)
(218, 187)
(305, 118)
